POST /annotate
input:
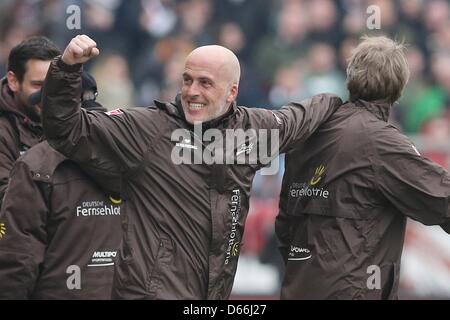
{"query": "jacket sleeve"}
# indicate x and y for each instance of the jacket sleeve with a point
(291, 125)
(105, 145)
(416, 186)
(23, 238)
(299, 120)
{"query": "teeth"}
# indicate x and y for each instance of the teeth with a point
(196, 106)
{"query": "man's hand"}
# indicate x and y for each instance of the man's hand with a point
(80, 49)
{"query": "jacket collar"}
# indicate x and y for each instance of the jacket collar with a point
(8, 106)
(175, 109)
(380, 109)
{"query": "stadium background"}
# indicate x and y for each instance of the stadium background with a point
(289, 50)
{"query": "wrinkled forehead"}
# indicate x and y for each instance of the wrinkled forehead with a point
(204, 66)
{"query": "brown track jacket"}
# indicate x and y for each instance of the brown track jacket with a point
(60, 232)
(17, 134)
(183, 222)
(345, 197)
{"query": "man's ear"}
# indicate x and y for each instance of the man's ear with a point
(233, 93)
(13, 82)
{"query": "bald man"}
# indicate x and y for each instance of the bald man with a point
(210, 83)
(183, 220)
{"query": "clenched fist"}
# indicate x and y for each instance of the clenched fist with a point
(80, 49)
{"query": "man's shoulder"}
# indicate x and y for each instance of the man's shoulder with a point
(387, 139)
(8, 131)
(321, 98)
(256, 118)
(6, 120)
(41, 158)
(328, 99)
(391, 134)
(130, 110)
(135, 116)
(135, 113)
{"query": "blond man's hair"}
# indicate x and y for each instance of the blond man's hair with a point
(377, 70)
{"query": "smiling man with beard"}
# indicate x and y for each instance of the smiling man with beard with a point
(20, 127)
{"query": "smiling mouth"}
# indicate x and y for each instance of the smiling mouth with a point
(196, 106)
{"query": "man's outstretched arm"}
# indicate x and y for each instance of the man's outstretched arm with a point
(303, 118)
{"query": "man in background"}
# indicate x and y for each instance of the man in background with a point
(348, 190)
(20, 127)
(61, 232)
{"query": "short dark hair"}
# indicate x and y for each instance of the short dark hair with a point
(38, 47)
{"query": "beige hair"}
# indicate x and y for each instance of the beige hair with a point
(377, 70)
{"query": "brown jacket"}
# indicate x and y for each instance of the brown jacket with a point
(17, 134)
(61, 233)
(183, 222)
(345, 197)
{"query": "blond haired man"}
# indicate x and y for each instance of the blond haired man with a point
(348, 190)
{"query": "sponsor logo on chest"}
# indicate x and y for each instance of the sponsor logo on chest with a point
(97, 208)
(102, 258)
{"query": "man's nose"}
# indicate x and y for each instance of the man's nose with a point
(193, 89)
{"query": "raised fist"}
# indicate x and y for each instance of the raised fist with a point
(80, 49)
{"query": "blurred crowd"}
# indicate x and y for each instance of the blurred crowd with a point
(288, 49)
